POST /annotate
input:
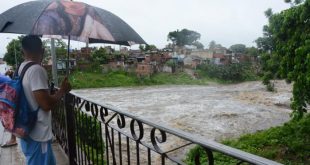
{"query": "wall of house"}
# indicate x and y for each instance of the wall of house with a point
(202, 54)
(115, 65)
(195, 63)
(188, 61)
(243, 58)
(144, 70)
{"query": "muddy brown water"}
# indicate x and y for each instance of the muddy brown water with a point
(214, 112)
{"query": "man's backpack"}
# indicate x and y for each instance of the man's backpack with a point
(15, 113)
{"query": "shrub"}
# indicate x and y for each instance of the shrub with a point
(288, 144)
(89, 131)
(233, 72)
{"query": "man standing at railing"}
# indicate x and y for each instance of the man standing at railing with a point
(37, 147)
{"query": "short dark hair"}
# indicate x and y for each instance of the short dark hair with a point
(32, 44)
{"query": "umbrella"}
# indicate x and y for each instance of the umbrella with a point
(71, 20)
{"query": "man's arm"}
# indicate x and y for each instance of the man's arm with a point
(47, 101)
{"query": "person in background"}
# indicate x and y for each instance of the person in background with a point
(12, 142)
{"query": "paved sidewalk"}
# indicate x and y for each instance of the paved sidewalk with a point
(13, 155)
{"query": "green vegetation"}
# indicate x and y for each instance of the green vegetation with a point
(213, 45)
(98, 80)
(13, 47)
(185, 37)
(101, 56)
(89, 137)
(121, 78)
(285, 49)
(60, 49)
(178, 79)
(146, 48)
(229, 73)
(238, 48)
(288, 144)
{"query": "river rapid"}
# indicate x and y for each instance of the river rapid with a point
(214, 112)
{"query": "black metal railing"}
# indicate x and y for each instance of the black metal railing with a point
(93, 133)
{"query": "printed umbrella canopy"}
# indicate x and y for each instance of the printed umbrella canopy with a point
(67, 19)
(75, 20)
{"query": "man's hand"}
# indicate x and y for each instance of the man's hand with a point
(65, 86)
(47, 101)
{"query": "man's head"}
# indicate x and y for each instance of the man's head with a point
(32, 48)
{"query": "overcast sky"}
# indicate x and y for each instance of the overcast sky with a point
(225, 21)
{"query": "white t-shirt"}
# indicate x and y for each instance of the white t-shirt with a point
(35, 79)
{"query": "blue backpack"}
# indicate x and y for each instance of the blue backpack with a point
(15, 113)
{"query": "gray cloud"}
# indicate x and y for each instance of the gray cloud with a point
(225, 21)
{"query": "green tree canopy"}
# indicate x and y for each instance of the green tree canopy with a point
(183, 37)
(147, 47)
(238, 48)
(294, 2)
(289, 39)
(198, 44)
(101, 55)
(213, 45)
(13, 47)
(252, 51)
(60, 48)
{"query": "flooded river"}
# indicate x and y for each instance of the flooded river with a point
(214, 111)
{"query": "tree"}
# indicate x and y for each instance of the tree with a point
(147, 48)
(289, 33)
(60, 48)
(213, 45)
(295, 2)
(238, 48)
(14, 46)
(198, 44)
(265, 44)
(252, 51)
(268, 13)
(100, 55)
(183, 37)
(269, 59)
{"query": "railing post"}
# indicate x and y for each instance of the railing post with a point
(70, 126)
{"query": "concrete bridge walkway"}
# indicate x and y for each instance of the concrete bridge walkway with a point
(14, 156)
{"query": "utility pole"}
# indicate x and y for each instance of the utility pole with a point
(54, 62)
(15, 55)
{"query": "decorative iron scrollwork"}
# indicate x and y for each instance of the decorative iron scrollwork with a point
(133, 132)
(87, 106)
(103, 113)
(106, 125)
(155, 140)
(94, 110)
(121, 121)
(77, 101)
(209, 156)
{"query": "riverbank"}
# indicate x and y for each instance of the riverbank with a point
(287, 144)
(82, 80)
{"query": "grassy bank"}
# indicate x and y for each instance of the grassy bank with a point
(232, 73)
(120, 78)
(288, 144)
